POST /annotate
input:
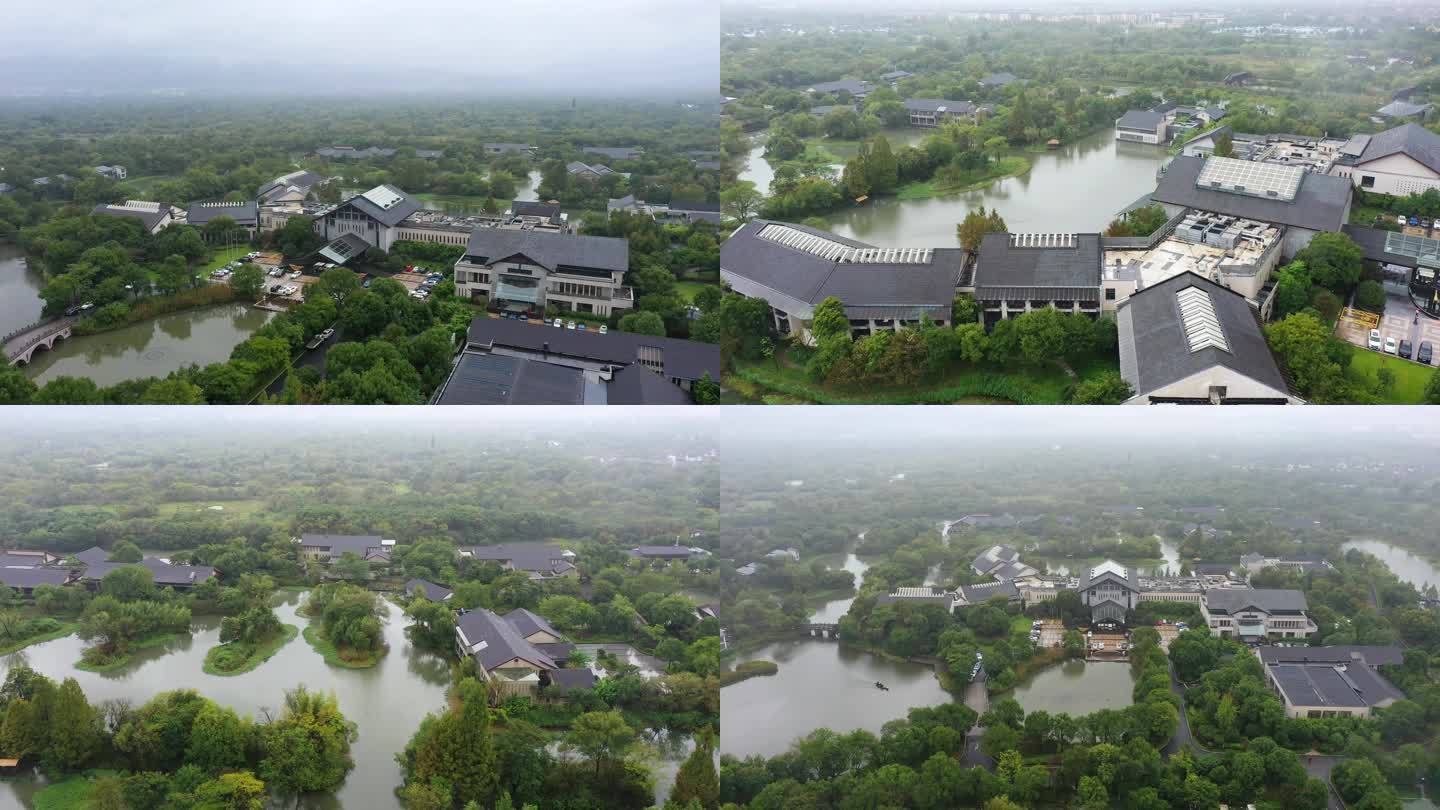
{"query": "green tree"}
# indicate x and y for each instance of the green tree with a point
(15, 387)
(1224, 145)
(337, 284)
(1107, 388)
(126, 551)
(1302, 344)
(1334, 260)
(642, 323)
(830, 319)
(697, 780)
(459, 750)
(601, 737)
(74, 728)
(741, 199)
(308, 748)
(174, 391)
(219, 739)
(248, 282)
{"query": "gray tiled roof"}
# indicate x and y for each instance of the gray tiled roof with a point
(975, 594)
(682, 359)
(567, 679)
(1403, 109)
(535, 557)
(27, 578)
(1004, 268)
(164, 573)
(1319, 204)
(1154, 350)
(502, 640)
(1369, 654)
(529, 623)
(935, 104)
(797, 279)
(481, 378)
(388, 216)
(535, 208)
(358, 544)
(998, 79)
(1270, 600)
(147, 218)
(92, 555)
(638, 385)
(615, 152)
(854, 87)
(1329, 685)
(1147, 120)
(666, 552)
(1410, 139)
(431, 591)
(553, 251)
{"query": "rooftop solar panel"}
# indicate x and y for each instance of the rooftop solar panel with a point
(830, 250)
(383, 196)
(1251, 178)
(1202, 327)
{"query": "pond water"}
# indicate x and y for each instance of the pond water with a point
(386, 702)
(821, 684)
(20, 301)
(1078, 187)
(1406, 564)
(526, 188)
(151, 348)
(1077, 687)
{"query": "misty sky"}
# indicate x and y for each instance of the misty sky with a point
(481, 48)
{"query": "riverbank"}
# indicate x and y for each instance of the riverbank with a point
(65, 629)
(334, 656)
(747, 670)
(151, 308)
(143, 643)
(240, 661)
(1000, 169)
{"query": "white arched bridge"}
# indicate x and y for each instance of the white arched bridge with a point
(21, 345)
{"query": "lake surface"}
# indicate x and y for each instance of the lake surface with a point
(20, 301)
(386, 702)
(1406, 564)
(821, 684)
(152, 348)
(1167, 565)
(1079, 187)
(1077, 687)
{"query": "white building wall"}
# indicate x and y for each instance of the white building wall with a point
(1397, 175)
(1198, 386)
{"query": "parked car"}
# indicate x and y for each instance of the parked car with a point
(1390, 345)
(435, 277)
(569, 324)
(75, 310)
(276, 273)
(604, 329)
(1424, 354)
(274, 288)
(294, 275)
(1414, 220)
(365, 283)
(88, 305)
(325, 334)
(420, 294)
(1405, 349)
(1375, 339)
(559, 323)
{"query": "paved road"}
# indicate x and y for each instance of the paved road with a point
(1183, 738)
(1319, 768)
(977, 697)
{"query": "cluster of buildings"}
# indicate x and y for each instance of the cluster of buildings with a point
(1112, 591)
(1189, 298)
(510, 361)
(1160, 123)
(24, 570)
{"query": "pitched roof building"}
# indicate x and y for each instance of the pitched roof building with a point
(332, 546)
(1399, 161)
(1341, 681)
(795, 267)
(153, 216)
(1189, 340)
(539, 560)
(1018, 272)
(1255, 614)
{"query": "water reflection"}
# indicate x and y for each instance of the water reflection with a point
(1406, 564)
(1077, 687)
(820, 685)
(151, 348)
(20, 301)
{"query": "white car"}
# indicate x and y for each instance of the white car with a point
(1390, 345)
(604, 329)
(294, 275)
(569, 324)
(1375, 339)
(420, 294)
(559, 323)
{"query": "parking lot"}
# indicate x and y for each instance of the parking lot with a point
(1399, 321)
(1052, 633)
(1168, 633)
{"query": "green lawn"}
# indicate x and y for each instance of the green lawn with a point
(223, 257)
(783, 383)
(688, 289)
(70, 793)
(1410, 378)
(248, 508)
(142, 185)
(65, 629)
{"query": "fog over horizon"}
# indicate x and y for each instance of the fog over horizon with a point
(561, 49)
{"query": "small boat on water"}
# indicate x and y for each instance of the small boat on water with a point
(882, 687)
